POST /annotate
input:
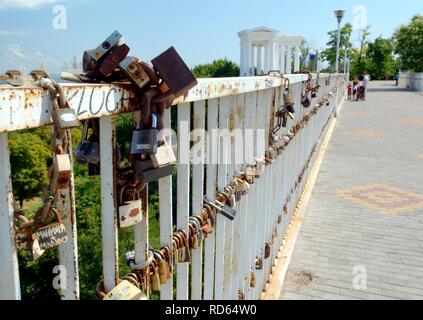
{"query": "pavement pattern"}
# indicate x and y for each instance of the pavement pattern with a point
(362, 236)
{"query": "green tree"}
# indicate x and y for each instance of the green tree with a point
(28, 157)
(359, 56)
(382, 64)
(217, 69)
(329, 54)
(408, 41)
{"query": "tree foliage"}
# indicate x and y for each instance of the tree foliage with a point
(382, 64)
(217, 69)
(28, 157)
(329, 54)
(408, 41)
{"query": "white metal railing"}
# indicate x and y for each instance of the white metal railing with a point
(229, 254)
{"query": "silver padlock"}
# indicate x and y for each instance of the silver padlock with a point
(163, 156)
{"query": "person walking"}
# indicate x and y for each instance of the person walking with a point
(366, 80)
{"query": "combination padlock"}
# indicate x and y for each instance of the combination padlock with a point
(145, 140)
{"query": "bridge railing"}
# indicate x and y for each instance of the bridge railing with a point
(225, 265)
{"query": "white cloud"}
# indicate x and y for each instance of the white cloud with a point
(23, 4)
(4, 32)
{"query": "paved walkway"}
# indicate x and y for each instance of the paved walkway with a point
(362, 237)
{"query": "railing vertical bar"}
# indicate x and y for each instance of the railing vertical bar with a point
(211, 176)
(222, 225)
(9, 268)
(108, 203)
(229, 103)
(197, 196)
(260, 201)
(247, 248)
(68, 252)
(166, 217)
(183, 187)
(254, 208)
(239, 222)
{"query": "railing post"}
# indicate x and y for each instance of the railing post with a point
(9, 269)
(108, 203)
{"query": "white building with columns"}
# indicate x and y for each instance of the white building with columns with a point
(262, 50)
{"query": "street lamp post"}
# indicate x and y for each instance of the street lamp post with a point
(339, 15)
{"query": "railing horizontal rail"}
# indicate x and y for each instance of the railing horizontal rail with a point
(29, 107)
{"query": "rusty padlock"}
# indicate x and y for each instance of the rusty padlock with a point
(177, 77)
(50, 235)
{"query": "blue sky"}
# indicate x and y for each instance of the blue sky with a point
(200, 30)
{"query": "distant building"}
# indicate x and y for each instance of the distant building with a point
(262, 50)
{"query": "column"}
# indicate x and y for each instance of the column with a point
(247, 57)
(282, 53)
(277, 58)
(266, 59)
(259, 60)
(288, 68)
(272, 63)
(252, 62)
(242, 60)
(297, 59)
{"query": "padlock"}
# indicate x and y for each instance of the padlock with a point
(267, 250)
(145, 140)
(249, 174)
(288, 96)
(64, 118)
(112, 41)
(163, 269)
(84, 147)
(252, 279)
(130, 212)
(305, 101)
(187, 252)
(155, 277)
(35, 249)
(176, 75)
(125, 290)
(93, 170)
(221, 208)
(280, 218)
(113, 59)
(260, 167)
(163, 156)
(23, 232)
(259, 263)
(62, 170)
(50, 235)
(146, 172)
(132, 68)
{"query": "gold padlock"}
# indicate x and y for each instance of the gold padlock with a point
(125, 290)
